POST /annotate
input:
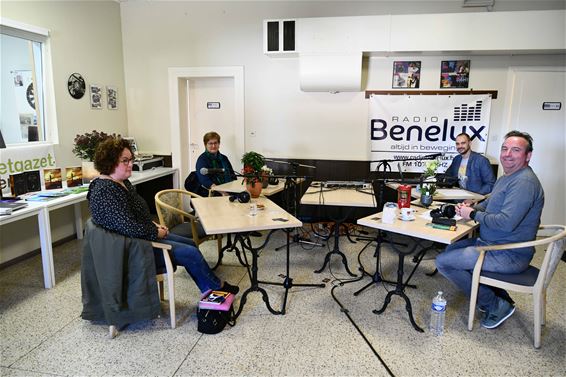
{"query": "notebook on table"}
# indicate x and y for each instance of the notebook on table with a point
(7, 208)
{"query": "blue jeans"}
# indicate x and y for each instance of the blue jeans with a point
(186, 254)
(457, 263)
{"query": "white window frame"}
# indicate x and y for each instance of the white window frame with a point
(38, 34)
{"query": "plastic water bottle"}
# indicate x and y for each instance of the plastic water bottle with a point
(437, 314)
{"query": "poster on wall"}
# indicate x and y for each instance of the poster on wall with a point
(112, 97)
(406, 74)
(454, 73)
(25, 104)
(95, 97)
(408, 128)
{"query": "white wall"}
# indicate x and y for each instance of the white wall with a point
(286, 121)
(85, 38)
(90, 37)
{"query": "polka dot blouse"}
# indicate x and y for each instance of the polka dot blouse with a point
(120, 210)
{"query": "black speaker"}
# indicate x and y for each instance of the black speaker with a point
(242, 197)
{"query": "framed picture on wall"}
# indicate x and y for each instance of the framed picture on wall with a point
(112, 97)
(95, 97)
(454, 73)
(406, 74)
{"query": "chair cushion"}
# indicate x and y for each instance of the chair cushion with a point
(185, 230)
(527, 277)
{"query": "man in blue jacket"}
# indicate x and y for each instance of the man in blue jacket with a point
(472, 169)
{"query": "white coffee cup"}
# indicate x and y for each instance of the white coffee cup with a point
(407, 214)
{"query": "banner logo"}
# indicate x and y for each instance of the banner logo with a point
(403, 127)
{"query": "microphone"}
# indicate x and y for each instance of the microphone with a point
(432, 156)
(206, 171)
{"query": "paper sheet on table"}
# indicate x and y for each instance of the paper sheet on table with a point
(455, 193)
(426, 215)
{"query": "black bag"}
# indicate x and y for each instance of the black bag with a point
(213, 321)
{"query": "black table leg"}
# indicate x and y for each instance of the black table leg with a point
(336, 250)
(230, 246)
(400, 289)
(287, 283)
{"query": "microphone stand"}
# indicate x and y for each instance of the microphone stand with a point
(382, 167)
(291, 199)
(290, 194)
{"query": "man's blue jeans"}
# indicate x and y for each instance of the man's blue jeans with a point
(457, 263)
(186, 254)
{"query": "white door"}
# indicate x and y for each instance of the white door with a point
(191, 119)
(211, 108)
(532, 87)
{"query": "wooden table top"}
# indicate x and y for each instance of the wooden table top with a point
(344, 197)
(418, 228)
(219, 216)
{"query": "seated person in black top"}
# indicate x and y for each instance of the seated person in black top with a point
(211, 158)
(115, 206)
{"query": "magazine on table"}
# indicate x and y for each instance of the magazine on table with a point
(215, 297)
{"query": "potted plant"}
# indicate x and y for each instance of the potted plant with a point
(85, 148)
(253, 162)
(428, 186)
(85, 144)
(265, 173)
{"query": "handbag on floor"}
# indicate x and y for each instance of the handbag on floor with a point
(215, 311)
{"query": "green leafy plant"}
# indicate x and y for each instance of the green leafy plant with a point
(429, 181)
(85, 144)
(253, 162)
(428, 189)
(430, 168)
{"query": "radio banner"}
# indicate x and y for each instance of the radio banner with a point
(405, 127)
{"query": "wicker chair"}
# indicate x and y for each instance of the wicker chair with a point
(533, 280)
(175, 212)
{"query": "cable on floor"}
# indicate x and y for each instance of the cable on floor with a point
(346, 311)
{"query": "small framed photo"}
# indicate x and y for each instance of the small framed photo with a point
(52, 179)
(406, 74)
(112, 97)
(454, 73)
(95, 97)
(74, 176)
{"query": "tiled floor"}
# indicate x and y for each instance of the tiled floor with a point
(42, 333)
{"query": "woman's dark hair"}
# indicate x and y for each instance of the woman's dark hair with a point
(523, 135)
(108, 153)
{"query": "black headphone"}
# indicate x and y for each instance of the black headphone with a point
(273, 180)
(445, 210)
(242, 197)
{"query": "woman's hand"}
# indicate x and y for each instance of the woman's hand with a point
(162, 231)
